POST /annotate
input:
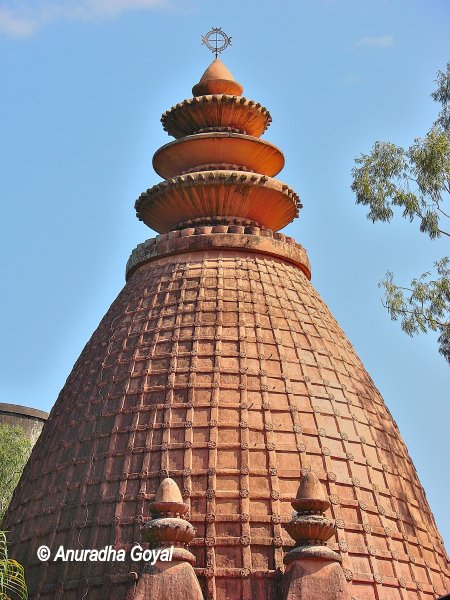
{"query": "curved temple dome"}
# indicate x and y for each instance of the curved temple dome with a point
(220, 366)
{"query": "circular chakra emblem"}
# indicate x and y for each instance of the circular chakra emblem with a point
(216, 40)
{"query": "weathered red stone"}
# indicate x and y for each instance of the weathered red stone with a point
(167, 581)
(220, 366)
(312, 579)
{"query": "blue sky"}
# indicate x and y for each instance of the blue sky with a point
(83, 85)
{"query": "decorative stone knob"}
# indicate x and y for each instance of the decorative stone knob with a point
(167, 527)
(310, 496)
(168, 501)
(310, 528)
(217, 79)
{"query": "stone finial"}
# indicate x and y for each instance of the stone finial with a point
(168, 528)
(217, 79)
(312, 569)
(309, 527)
(168, 500)
(310, 495)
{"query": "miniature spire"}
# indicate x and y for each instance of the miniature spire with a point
(312, 569)
(168, 580)
(309, 527)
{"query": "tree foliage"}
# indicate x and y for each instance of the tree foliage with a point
(12, 576)
(15, 449)
(415, 180)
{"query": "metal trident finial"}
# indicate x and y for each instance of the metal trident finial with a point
(216, 40)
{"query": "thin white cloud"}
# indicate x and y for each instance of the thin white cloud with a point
(18, 20)
(14, 24)
(352, 79)
(381, 41)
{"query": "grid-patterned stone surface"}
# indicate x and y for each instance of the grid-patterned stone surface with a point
(225, 370)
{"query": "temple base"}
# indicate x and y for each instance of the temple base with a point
(168, 581)
(311, 579)
(313, 572)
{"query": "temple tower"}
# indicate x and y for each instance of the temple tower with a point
(219, 366)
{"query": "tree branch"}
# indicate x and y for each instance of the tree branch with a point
(404, 311)
(441, 211)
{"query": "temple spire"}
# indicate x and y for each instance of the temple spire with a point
(220, 363)
(218, 170)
